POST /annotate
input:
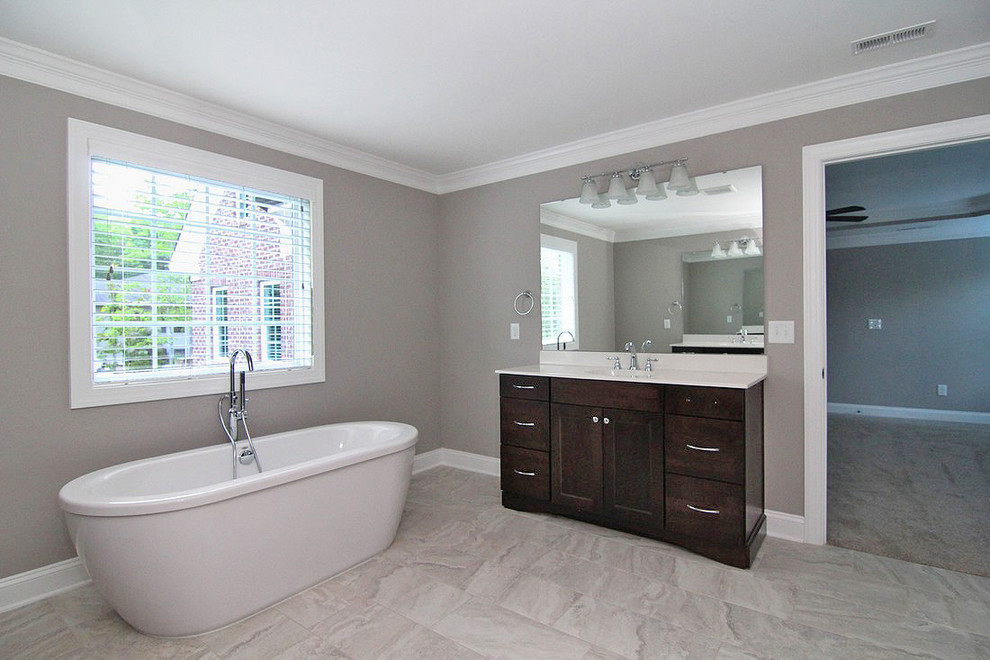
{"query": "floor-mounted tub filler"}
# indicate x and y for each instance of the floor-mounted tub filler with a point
(179, 548)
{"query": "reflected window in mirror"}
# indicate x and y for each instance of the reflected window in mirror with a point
(558, 291)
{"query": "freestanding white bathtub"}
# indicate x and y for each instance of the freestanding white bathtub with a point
(178, 548)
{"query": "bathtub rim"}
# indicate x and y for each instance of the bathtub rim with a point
(75, 498)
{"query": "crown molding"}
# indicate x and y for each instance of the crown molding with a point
(50, 70)
(44, 68)
(575, 226)
(904, 77)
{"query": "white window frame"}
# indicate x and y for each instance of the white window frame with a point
(565, 245)
(217, 352)
(86, 140)
(266, 325)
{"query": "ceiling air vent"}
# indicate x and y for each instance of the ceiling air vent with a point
(719, 190)
(893, 38)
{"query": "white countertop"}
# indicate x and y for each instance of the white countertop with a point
(737, 371)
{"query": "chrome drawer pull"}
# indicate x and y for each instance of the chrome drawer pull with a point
(696, 448)
(524, 474)
(700, 510)
(518, 423)
(524, 387)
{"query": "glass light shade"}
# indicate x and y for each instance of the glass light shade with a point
(630, 198)
(678, 177)
(589, 192)
(717, 251)
(659, 193)
(617, 187)
(602, 202)
(647, 184)
(752, 250)
(691, 190)
(734, 250)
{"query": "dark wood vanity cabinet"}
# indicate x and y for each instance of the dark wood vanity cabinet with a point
(678, 463)
(525, 451)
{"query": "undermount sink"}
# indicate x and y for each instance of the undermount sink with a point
(621, 373)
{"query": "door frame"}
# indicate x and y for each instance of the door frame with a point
(814, 159)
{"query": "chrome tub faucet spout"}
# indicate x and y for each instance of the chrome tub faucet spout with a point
(237, 413)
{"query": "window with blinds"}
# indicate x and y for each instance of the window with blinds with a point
(182, 268)
(558, 289)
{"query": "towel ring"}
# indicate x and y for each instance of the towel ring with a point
(516, 304)
(675, 304)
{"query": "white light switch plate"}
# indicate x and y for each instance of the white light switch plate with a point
(513, 331)
(781, 332)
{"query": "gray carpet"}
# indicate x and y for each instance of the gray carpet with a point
(912, 490)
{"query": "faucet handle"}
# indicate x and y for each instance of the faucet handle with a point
(618, 364)
(649, 361)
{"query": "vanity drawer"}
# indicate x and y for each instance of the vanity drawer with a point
(705, 508)
(526, 423)
(702, 447)
(526, 472)
(524, 387)
(715, 402)
(604, 394)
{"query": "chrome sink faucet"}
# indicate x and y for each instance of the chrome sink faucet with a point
(631, 347)
(565, 332)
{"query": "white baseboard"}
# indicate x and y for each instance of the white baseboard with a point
(25, 588)
(457, 459)
(30, 586)
(427, 461)
(930, 414)
(785, 526)
(779, 525)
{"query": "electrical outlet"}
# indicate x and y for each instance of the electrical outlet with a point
(728, 319)
(943, 390)
(513, 331)
(666, 324)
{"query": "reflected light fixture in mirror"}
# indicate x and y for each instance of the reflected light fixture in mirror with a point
(631, 259)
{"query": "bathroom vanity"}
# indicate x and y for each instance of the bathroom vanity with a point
(675, 454)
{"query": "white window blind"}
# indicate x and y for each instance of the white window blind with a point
(558, 288)
(164, 244)
(183, 268)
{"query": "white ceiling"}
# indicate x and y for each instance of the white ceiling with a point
(445, 86)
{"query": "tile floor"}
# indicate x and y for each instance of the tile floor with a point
(466, 578)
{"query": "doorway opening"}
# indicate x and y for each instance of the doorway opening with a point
(907, 284)
(815, 160)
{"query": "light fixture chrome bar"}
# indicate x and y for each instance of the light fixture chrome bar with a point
(634, 172)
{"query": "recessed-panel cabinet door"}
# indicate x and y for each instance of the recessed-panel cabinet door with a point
(634, 466)
(576, 457)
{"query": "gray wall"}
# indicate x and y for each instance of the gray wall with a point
(714, 289)
(596, 305)
(649, 276)
(488, 236)
(382, 322)
(419, 292)
(934, 301)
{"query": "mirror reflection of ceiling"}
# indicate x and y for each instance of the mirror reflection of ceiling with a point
(726, 201)
(941, 190)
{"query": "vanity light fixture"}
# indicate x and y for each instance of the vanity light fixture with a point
(646, 184)
(752, 249)
(740, 247)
